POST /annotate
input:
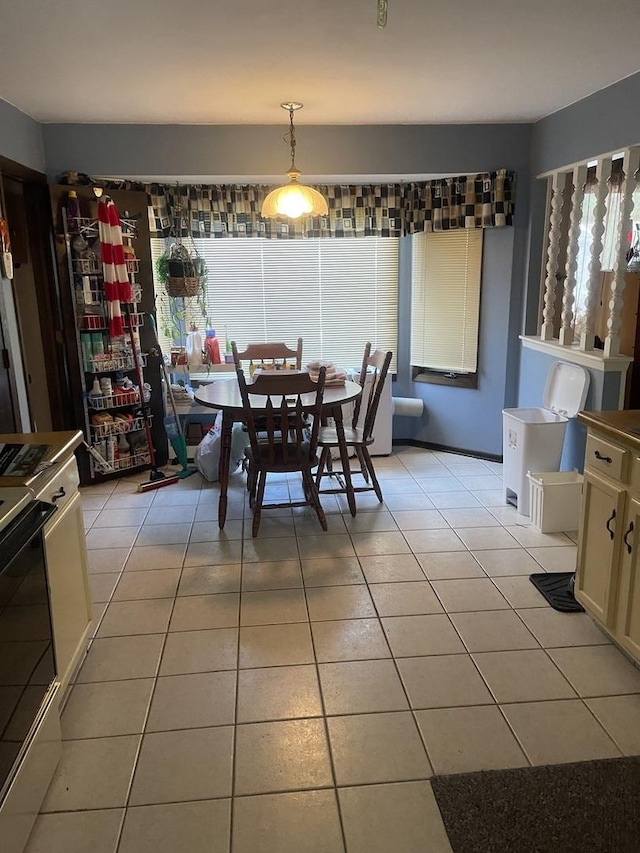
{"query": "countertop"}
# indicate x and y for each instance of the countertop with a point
(61, 447)
(623, 425)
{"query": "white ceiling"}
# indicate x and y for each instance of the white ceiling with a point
(234, 61)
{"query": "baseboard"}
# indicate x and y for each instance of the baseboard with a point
(428, 445)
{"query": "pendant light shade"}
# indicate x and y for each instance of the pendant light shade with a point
(294, 199)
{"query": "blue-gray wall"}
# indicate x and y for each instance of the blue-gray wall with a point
(605, 122)
(465, 418)
(21, 138)
(243, 150)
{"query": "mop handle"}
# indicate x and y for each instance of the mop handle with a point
(167, 381)
(140, 375)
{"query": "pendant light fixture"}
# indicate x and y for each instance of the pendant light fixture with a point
(294, 199)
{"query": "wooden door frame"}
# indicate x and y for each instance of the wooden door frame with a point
(37, 209)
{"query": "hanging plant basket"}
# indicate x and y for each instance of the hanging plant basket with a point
(182, 286)
(181, 272)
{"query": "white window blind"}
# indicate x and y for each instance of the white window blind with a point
(336, 294)
(445, 299)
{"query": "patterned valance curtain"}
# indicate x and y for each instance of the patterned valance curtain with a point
(479, 201)
(355, 210)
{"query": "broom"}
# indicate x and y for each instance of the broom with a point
(157, 479)
(172, 424)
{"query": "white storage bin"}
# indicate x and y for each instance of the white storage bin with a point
(554, 500)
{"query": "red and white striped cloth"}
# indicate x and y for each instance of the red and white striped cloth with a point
(117, 287)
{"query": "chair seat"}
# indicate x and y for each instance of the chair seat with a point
(328, 437)
(294, 462)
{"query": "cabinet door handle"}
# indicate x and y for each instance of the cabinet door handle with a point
(602, 458)
(626, 539)
(59, 494)
(609, 520)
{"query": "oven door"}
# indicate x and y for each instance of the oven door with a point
(28, 702)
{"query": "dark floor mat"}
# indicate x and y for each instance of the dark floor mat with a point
(587, 807)
(557, 588)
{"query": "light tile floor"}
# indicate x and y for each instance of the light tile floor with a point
(296, 692)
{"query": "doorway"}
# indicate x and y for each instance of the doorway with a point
(34, 364)
(25, 294)
(7, 410)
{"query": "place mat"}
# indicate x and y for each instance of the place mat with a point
(586, 807)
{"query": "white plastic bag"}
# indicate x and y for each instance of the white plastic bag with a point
(207, 454)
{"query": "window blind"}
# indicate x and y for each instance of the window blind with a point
(445, 299)
(336, 294)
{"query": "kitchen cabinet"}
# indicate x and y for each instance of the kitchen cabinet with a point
(39, 629)
(627, 614)
(603, 505)
(608, 572)
(64, 547)
(67, 569)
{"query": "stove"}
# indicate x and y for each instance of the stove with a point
(29, 718)
(12, 502)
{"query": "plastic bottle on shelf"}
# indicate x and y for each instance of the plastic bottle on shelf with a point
(228, 351)
(96, 391)
(212, 347)
(73, 212)
(124, 451)
(194, 347)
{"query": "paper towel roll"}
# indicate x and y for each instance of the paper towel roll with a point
(407, 407)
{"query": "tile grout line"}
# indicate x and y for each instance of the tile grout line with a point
(149, 706)
(323, 708)
(234, 742)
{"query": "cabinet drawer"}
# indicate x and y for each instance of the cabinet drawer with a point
(607, 458)
(62, 486)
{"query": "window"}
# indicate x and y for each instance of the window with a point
(336, 294)
(585, 237)
(445, 305)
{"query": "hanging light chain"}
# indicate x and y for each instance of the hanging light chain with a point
(290, 137)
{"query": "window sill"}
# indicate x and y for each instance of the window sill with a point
(452, 380)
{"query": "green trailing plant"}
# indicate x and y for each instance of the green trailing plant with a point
(180, 312)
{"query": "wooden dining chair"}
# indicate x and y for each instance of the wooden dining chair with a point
(373, 375)
(267, 354)
(274, 450)
(278, 354)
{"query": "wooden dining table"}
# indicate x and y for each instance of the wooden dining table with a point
(224, 395)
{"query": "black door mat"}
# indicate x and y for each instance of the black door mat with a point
(557, 588)
(585, 807)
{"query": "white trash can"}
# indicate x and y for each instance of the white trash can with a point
(532, 439)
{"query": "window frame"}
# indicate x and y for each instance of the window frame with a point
(449, 376)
